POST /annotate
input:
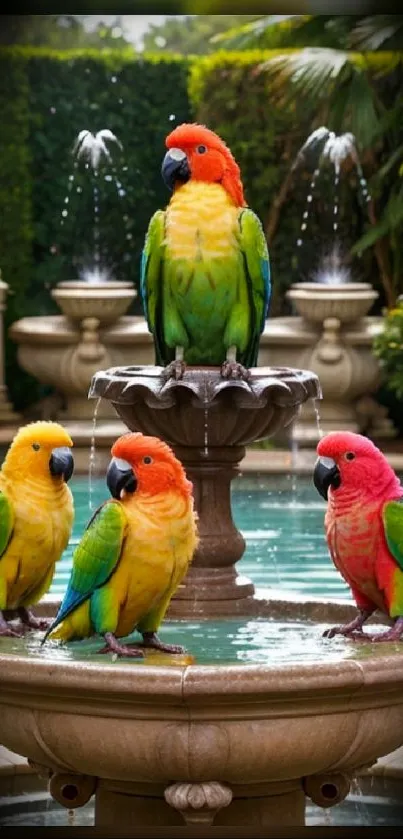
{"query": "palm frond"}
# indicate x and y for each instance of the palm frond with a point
(392, 219)
(376, 32)
(311, 71)
(249, 34)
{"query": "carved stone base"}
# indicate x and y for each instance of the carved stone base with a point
(205, 804)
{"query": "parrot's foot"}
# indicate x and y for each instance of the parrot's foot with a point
(31, 622)
(113, 646)
(352, 629)
(150, 639)
(395, 633)
(6, 631)
(233, 370)
(174, 370)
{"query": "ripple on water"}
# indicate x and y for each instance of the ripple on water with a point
(235, 641)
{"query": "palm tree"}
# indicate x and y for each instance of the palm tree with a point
(348, 70)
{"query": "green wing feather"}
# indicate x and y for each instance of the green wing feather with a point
(95, 558)
(150, 279)
(392, 515)
(6, 522)
(257, 269)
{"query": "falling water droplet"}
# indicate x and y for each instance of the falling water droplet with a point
(113, 79)
(92, 454)
(65, 213)
(305, 214)
(303, 226)
(71, 177)
(171, 117)
(309, 198)
(299, 243)
(206, 428)
(317, 418)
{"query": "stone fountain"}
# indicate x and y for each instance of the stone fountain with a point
(64, 351)
(332, 333)
(170, 741)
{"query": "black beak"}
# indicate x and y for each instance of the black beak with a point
(61, 463)
(120, 476)
(175, 167)
(325, 475)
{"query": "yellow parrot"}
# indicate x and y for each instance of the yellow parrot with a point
(36, 517)
(135, 551)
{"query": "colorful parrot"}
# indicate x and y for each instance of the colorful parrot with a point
(36, 517)
(364, 528)
(135, 551)
(205, 273)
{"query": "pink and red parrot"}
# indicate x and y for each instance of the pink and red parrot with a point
(364, 528)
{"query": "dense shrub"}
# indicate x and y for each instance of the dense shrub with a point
(46, 98)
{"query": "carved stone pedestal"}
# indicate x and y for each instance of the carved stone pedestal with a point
(208, 421)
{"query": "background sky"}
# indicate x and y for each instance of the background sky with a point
(133, 26)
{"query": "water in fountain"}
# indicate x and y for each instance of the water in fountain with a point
(321, 146)
(95, 152)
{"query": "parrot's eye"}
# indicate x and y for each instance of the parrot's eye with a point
(349, 456)
(147, 459)
(36, 447)
(201, 149)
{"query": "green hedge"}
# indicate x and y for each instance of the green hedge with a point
(46, 98)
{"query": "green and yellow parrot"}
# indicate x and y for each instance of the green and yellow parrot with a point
(36, 517)
(205, 274)
(135, 551)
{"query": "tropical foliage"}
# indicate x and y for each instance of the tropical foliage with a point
(348, 70)
(388, 347)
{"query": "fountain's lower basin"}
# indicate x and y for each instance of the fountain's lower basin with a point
(242, 740)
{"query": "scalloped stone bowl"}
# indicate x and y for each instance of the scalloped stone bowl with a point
(317, 301)
(107, 301)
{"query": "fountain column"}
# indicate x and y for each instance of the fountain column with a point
(212, 584)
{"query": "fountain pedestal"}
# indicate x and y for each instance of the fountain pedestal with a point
(208, 421)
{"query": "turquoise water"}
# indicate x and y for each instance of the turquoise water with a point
(242, 641)
(281, 518)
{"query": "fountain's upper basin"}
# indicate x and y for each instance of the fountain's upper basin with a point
(317, 301)
(240, 723)
(239, 412)
(106, 301)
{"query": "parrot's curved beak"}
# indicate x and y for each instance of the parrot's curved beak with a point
(326, 474)
(61, 463)
(175, 167)
(119, 477)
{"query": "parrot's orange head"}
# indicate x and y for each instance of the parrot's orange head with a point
(349, 463)
(40, 450)
(145, 465)
(198, 154)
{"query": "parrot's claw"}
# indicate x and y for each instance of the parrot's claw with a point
(395, 633)
(174, 370)
(30, 621)
(151, 640)
(233, 370)
(7, 632)
(121, 650)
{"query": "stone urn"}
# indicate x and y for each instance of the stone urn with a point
(208, 421)
(332, 335)
(65, 350)
(106, 301)
(348, 302)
